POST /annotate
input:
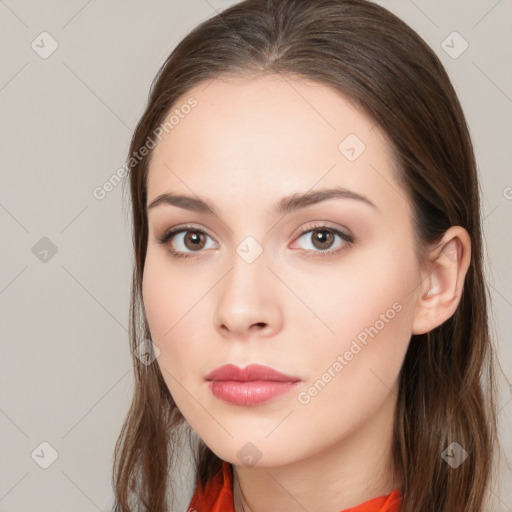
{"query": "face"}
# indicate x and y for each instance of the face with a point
(322, 291)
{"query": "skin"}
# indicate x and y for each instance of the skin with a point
(248, 143)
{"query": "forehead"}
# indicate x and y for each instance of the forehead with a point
(258, 139)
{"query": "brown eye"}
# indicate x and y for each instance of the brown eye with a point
(194, 240)
(185, 241)
(322, 238)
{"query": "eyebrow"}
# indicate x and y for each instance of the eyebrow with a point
(283, 206)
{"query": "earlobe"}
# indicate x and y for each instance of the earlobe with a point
(441, 287)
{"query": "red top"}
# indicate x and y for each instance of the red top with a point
(217, 496)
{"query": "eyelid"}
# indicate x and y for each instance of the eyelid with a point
(318, 224)
(182, 227)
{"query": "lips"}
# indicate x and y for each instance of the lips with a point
(253, 385)
(252, 372)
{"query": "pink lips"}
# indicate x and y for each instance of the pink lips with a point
(252, 385)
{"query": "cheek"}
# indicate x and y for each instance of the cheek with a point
(177, 323)
(352, 373)
(160, 299)
(361, 291)
(367, 318)
(169, 294)
(164, 300)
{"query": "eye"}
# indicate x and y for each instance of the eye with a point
(322, 238)
(184, 241)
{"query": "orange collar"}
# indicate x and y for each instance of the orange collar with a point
(217, 496)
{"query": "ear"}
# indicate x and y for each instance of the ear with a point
(442, 282)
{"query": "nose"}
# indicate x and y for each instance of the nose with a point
(247, 302)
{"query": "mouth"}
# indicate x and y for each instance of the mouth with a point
(253, 385)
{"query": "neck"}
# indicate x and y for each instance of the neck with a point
(355, 470)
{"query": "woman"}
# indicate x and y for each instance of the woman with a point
(322, 349)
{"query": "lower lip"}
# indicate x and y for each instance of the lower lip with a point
(250, 392)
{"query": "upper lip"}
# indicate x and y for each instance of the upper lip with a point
(249, 373)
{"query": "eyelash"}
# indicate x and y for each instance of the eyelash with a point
(348, 239)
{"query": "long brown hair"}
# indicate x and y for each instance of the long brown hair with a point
(447, 389)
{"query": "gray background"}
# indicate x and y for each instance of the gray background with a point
(66, 124)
